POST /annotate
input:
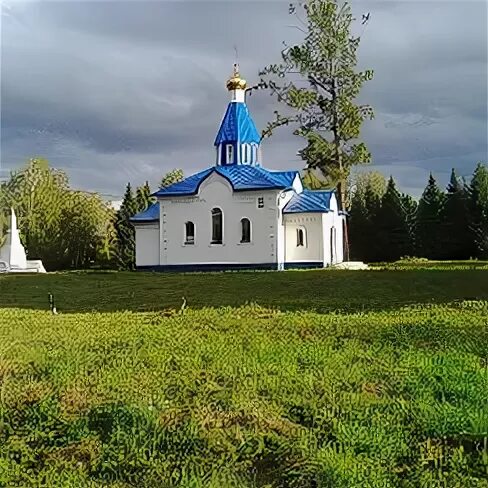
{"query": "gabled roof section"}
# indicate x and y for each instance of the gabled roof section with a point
(151, 214)
(188, 186)
(309, 201)
(241, 177)
(237, 125)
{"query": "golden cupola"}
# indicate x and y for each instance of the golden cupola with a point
(235, 82)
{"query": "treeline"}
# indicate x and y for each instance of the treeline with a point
(66, 228)
(386, 225)
(70, 229)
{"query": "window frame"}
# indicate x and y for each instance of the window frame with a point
(217, 242)
(249, 240)
(229, 154)
(301, 230)
(187, 241)
(254, 153)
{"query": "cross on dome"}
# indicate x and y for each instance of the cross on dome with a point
(235, 82)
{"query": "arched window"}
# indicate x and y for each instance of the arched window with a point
(246, 153)
(216, 226)
(189, 233)
(245, 230)
(301, 237)
(230, 154)
(254, 153)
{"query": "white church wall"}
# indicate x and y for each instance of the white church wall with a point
(283, 198)
(312, 249)
(147, 244)
(332, 232)
(216, 192)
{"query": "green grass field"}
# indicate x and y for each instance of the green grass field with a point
(336, 379)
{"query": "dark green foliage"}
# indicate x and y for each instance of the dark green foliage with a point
(369, 188)
(126, 240)
(410, 207)
(363, 225)
(318, 81)
(457, 236)
(428, 221)
(393, 231)
(479, 209)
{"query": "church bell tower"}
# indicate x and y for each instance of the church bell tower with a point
(237, 142)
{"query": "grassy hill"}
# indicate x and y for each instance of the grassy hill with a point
(339, 379)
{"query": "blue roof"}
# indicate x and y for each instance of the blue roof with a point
(309, 201)
(237, 125)
(241, 177)
(149, 215)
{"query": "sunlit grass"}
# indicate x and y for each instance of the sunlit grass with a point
(245, 397)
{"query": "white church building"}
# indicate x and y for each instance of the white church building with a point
(237, 214)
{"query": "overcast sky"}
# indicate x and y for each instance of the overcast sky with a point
(124, 91)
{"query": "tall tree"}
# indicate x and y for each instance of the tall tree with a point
(479, 209)
(143, 197)
(365, 209)
(325, 110)
(360, 182)
(126, 238)
(457, 235)
(410, 207)
(172, 177)
(428, 221)
(63, 227)
(393, 232)
(367, 189)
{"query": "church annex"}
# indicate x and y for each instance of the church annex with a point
(237, 214)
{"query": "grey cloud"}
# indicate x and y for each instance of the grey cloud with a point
(127, 90)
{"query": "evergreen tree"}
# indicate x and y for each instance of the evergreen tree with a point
(410, 207)
(372, 201)
(125, 230)
(428, 221)
(479, 209)
(358, 228)
(457, 237)
(143, 197)
(367, 190)
(319, 81)
(393, 232)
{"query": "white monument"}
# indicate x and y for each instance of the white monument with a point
(12, 253)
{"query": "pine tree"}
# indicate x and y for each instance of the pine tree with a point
(143, 197)
(428, 221)
(479, 209)
(319, 81)
(457, 237)
(393, 232)
(372, 205)
(358, 225)
(410, 207)
(125, 230)
(367, 190)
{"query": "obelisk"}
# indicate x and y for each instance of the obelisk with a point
(13, 252)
